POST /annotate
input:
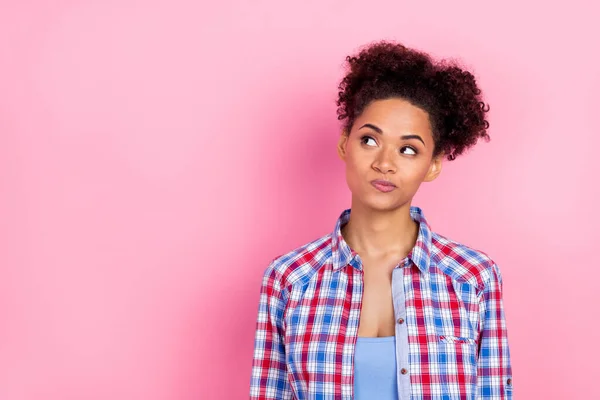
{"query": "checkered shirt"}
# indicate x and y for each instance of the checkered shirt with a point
(451, 337)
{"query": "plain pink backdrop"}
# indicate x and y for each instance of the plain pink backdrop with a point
(155, 155)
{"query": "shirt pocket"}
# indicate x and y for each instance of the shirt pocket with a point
(456, 360)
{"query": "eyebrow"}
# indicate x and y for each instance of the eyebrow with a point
(403, 137)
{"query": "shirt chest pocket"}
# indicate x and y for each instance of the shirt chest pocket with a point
(455, 357)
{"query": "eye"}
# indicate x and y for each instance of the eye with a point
(411, 152)
(366, 139)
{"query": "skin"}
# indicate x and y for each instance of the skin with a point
(382, 144)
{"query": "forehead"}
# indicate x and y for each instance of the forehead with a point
(396, 117)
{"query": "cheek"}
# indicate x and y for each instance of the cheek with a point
(354, 173)
(423, 170)
(357, 166)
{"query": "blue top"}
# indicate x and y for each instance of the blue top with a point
(375, 369)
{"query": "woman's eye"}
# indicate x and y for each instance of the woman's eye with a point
(411, 151)
(366, 139)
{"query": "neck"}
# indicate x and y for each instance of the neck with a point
(376, 233)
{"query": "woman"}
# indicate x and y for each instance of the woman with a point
(383, 307)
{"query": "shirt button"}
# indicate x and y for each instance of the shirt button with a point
(404, 371)
(400, 320)
(509, 381)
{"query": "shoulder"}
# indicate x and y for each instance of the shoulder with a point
(298, 266)
(463, 263)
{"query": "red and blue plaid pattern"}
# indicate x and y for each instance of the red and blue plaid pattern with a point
(309, 313)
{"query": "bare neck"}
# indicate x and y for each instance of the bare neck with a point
(379, 234)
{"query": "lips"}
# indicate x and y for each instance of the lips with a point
(383, 186)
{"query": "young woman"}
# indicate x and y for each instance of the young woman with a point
(383, 307)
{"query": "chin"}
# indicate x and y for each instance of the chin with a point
(381, 202)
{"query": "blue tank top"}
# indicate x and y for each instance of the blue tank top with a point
(375, 369)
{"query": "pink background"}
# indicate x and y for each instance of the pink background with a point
(154, 156)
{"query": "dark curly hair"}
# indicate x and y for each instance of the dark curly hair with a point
(445, 91)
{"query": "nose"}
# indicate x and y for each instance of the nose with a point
(384, 163)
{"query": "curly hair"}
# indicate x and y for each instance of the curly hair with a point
(448, 93)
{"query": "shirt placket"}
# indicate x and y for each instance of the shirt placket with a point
(399, 302)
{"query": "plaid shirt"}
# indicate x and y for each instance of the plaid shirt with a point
(451, 339)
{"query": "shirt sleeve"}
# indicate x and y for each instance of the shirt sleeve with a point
(494, 372)
(269, 372)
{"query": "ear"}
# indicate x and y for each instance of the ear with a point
(434, 169)
(341, 147)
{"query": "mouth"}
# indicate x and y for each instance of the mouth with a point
(383, 186)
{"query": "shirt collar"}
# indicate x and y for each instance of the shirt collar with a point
(343, 255)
